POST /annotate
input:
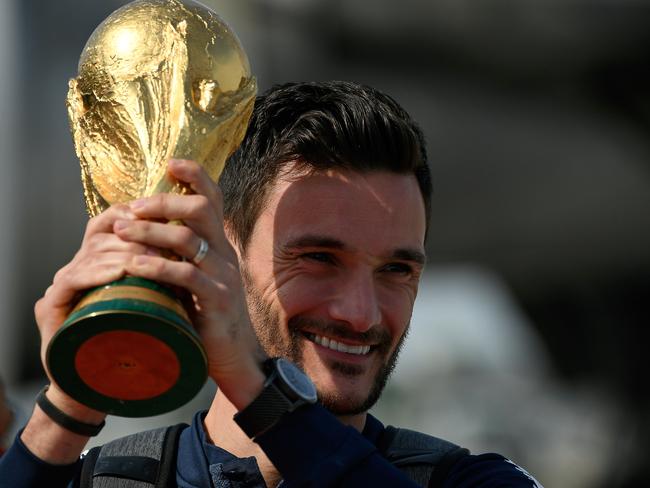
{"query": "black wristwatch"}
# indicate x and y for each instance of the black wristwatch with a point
(286, 388)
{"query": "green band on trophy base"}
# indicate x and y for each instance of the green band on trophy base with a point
(128, 349)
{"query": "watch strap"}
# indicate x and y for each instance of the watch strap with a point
(263, 412)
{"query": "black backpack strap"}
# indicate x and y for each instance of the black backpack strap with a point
(146, 459)
(167, 471)
(88, 466)
(424, 458)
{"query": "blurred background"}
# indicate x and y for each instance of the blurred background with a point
(530, 337)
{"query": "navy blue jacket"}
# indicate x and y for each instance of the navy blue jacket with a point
(310, 447)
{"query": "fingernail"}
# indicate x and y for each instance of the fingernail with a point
(175, 163)
(137, 203)
(140, 259)
(121, 224)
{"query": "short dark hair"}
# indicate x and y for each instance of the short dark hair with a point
(322, 125)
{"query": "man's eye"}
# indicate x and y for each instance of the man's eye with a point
(398, 268)
(321, 257)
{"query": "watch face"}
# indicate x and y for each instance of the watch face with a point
(298, 381)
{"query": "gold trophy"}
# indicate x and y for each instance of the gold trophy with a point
(158, 79)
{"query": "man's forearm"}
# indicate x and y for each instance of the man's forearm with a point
(310, 447)
(21, 468)
(51, 442)
(45, 453)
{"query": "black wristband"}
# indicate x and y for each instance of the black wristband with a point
(64, 420)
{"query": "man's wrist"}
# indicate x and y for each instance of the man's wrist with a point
(245, 386)
(72, 407)
(49, 441)
(286, 388)
(64, 420)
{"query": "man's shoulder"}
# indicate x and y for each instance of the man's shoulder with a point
(447, 464)
(399, 438)
(484, 469)
(424, 458)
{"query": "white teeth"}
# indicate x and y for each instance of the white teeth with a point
(339, 346)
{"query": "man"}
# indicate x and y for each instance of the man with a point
(314, 253)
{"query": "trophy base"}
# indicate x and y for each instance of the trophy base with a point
(128, 349)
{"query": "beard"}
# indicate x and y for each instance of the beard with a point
(266, 322)
(336, 402)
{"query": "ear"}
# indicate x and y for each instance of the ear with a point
(233, 241)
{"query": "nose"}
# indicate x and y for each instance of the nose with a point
(356, 302)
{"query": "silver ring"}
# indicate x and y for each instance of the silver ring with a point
(202, 252)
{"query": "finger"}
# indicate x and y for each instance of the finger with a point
(169, 206)
(180, 239)
(197, 178)
(98, 243)
(95, 270)
(209, 290)
(86, 273)
(194, 210)
(103, 223)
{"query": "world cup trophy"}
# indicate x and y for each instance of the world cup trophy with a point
(158, 79)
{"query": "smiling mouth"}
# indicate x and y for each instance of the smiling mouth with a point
(328, 343)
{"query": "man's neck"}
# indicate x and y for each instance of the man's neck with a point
(222, 431)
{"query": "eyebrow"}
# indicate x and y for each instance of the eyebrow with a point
(413, 255)
(315, 240)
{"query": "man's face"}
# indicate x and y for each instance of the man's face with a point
(331, 273)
